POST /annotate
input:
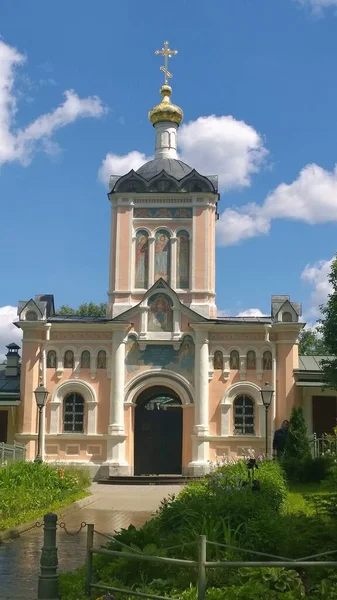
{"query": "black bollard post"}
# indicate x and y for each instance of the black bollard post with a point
(48, 578)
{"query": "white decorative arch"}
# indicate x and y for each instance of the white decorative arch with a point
(164, 228)
(139, 228)
(74, 386)
(237, 389)
(177, 383)
(50, 348)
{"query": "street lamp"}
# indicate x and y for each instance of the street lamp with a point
(267, 393)
(40, 396)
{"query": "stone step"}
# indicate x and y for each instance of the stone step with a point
(149, 480)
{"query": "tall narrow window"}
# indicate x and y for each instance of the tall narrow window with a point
(162, 260)
(183, 260)
(243, 416)
(73, 414)
(234, 360)
(251, 360)
(267, 361)
(68, 360)
(101, 359)
(142, 260)
(85, 359)
(51, 359)
(218, 360)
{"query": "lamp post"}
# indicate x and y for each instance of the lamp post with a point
(41, 394)
(267, 393)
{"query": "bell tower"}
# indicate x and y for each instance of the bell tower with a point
(163, 220)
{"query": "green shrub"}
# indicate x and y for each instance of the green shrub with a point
(27, 489)
(307, 470)
(297, 441)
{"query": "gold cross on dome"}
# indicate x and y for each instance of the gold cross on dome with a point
(166, 53)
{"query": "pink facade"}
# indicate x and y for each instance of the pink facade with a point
(159, 385)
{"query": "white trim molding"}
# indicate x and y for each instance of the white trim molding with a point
(226, 403)
(89, 395)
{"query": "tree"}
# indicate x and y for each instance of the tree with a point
(311, 343)
(329, 331)
(85, 310)
(297, 441)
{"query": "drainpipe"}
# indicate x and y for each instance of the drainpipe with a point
(273, 351)
(43, 381)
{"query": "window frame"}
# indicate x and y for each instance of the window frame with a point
(73, 412)
(244, 416)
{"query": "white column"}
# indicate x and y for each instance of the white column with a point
(115, 461)
(173, 279)
(176, 322)
(117, 388)
(200, 454)
(166, 139)
(144, 318)
(225, 424)
(151, 261)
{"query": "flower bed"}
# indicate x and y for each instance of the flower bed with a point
(27, 490)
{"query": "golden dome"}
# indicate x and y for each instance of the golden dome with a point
(166, 111)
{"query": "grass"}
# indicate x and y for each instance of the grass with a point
(296, 501)
(28, 490)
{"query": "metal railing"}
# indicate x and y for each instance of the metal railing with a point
(323, 445)
(10, 453)
(200, 565)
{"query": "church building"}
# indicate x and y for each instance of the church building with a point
(161, 385)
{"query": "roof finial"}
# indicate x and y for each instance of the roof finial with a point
(166, 53)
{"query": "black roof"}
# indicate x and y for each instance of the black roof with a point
(9, 385)
(176, 168)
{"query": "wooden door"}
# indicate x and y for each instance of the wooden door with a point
(3, 425)
(324, 414)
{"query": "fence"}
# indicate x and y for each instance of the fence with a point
(200, 565)
(323, 445)
(12, 453)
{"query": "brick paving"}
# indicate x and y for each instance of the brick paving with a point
(111, 508)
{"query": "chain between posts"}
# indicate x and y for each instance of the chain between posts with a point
(63, 526)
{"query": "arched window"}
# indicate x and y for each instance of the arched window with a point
(287, 317)
(162, 257)
(73, 414)
(183, 260)
(218, 360)
(85, 359)
(142, 259)
(160, 313)
(101, 359)
(243, 416)
(68, 360)
(51, 359)
(251, 360)
(267, 361)
(234, 362)
(31, 315)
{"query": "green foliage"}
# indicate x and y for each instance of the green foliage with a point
(311, 343)
(297, 441)
(85, 309)
(328, 329)
(28, 489)
(308, 469)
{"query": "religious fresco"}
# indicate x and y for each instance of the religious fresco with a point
(160, 313)
(142, 260)
(160, 356)
(163, 213)
(162, 256)
(183, 260)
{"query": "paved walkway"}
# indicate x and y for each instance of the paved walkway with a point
(111, 508)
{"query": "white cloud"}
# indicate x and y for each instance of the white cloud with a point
(8, 332)
(317, 5)
(222, 146)
(19, 145)
(311, 198)
(114, 164)
(317, 276)
(213, 145)
(251, 312)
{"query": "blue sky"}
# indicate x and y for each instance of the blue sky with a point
(267, 72)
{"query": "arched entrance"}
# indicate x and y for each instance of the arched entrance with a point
(158, 432)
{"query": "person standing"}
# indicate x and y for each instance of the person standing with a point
(279, 440)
